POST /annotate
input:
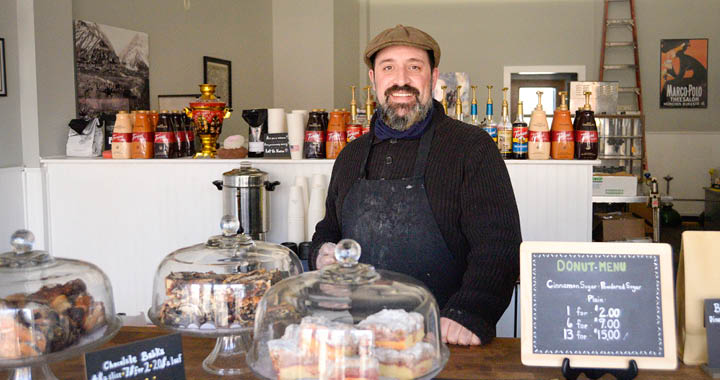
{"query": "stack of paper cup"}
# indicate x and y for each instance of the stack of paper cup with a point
(316, 208)
(302, 181)
(305, 114)
(296, 135)
(319, 180)
(276, 120)
(296, 215)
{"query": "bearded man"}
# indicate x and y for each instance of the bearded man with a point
(426, 195)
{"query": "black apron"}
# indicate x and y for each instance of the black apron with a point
(394, 224)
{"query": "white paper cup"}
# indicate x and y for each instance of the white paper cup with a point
(316, 209)
(297, 227)
(306, 115)
(296, 135)
(276, 120)
(302, 181)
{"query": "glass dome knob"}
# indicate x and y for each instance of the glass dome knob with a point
(22, 241)
(347, 252)
(229, 225)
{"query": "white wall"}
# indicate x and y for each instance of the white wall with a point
(302, 33)
(11, 141)
(55, 79)
(480, 37)
(238, 31)
(687, 157)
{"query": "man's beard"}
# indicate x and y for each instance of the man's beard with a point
(413, 112)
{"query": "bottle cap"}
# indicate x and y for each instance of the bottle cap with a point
(563, 101)
(304, 250)
(587, 106)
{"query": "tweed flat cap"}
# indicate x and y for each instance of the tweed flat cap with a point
(402, 35)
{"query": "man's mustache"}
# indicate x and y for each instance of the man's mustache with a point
(404, 88)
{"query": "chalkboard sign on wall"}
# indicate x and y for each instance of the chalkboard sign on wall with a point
(598, 304)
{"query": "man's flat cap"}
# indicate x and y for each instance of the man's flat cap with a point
(402, 35)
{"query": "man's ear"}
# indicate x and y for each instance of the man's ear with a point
(435, 75)
(371, 75)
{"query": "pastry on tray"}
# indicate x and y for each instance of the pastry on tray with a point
(395, 328)
(208, 300)
(49, 320)
(323, 349)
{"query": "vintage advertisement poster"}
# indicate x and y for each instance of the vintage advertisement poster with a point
(683, 73)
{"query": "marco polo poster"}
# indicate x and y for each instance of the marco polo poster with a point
(683, 73)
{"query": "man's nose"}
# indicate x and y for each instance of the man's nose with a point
(401, 78)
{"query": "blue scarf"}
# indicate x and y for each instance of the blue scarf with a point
(384, 132)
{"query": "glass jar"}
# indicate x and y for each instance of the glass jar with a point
(211, 289)
(348, 320)
(50, 308)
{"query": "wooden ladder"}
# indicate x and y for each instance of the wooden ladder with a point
(632, 26)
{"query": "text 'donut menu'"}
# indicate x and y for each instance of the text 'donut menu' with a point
(597, 304)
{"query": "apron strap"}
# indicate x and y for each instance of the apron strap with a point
(420, 159)
(423, 151)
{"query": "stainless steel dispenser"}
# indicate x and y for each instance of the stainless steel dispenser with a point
(245, 196)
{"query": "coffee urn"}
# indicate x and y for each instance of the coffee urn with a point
(245, 196)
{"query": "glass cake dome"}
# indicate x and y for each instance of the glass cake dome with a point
(211, 289)
(51, 309)
(348, 321)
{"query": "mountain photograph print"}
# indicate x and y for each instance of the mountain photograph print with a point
(112, 69)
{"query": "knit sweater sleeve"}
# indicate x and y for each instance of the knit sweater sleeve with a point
(489, 220)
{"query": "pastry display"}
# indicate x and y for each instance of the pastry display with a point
(320, 348)
(210, 300)
(347, 321)
(213, 290)
(49, 320)
(51, 309)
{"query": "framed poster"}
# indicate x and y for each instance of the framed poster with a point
(218, 72)
(112, 69)
(683, 73)
(3, 75)
(175, 102)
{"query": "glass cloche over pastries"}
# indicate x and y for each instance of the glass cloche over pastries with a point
(51, 309)
(348, 321)
(211, 289)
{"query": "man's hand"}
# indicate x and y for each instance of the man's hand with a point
(326, 255)
(454, 333)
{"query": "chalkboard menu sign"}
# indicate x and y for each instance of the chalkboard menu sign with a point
(276, 145)
(158, 358)
(712, 327)
(598, 304)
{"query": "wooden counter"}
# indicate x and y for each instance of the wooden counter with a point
(498, 360)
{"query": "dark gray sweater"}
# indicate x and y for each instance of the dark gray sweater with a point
(472, 200)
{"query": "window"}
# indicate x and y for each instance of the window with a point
(524, 81)
(528, 95)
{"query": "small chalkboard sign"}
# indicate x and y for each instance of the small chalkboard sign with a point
(712, 326)
(597, 304)
(277, 146)
(157, 359)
